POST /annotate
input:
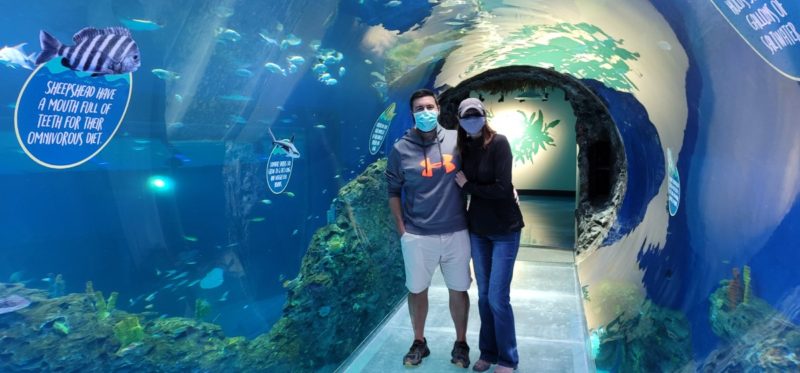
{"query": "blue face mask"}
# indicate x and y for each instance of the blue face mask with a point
(472, 125)
(427, 120)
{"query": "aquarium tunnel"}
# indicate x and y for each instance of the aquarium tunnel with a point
(198, 186)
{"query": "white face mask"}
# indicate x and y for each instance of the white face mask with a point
(426, 120)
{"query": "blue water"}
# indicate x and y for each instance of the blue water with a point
(204, 136)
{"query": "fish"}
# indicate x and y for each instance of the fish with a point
(331, 81)
(274, 68)
(292, 68)
(266, 201)
(319, 68)
(148, 307)
(342, 71)
(178, 98)
(224, 296)
(378, 75)
(368, 61)
(150, 297)
(267, 38)
(287, 145)
(297, 60)
(244, 73)
(279, 26)
(320, 126)
(190, 238)
(239, 98)
(315, 44)
(140, 24)
(393, 3)
(165, 74)
(238, 119)
(180, 276)
(257, 219)
(193, 283)
(222, 11)
(183, 282)
(324, 76)
(290, 194)
(291, 40)
(226, 34)
(99, 51)
(294, 232)
(15, 56)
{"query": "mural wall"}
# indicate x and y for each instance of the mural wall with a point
(540, 124)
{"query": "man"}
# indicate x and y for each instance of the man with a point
(431, 222)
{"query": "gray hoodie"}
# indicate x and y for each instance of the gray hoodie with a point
(425, 173)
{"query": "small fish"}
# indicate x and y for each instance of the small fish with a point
(140, 24)
(279, 27)
(148, 307)
(150, 297)
(292, 68)
(266, 201)
(291, 40)
(337, 176)
(324, 191)
(178, 98)
(258, 219)
(393, 3)
(342, 71)
(320, 126)
(378, 75)
(244, 73)
(238, 119)
(237, 98)
(289, 194)
(294, 232)
(171, 272)
(183, 282)
(191, 262)
(182, 298)
(180, 276)
(274, 68)
(368, 61)
(297, 60)
(14, 57)
(319, 68)
(224, 296)
(246, 306)
(222, 11)
(108, 51)
(226, 34)
(47, 279)
(314, 45)
(193, 283)
(268, 39)
(331, 81)
(190, 238)
(165, 74)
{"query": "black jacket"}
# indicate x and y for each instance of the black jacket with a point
(493, 208)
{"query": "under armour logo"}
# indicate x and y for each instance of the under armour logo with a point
(429, 166)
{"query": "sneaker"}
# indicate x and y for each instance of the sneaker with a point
(481, 366)
(460, 354)
(419, 349)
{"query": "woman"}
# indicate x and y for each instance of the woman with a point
(495, 222)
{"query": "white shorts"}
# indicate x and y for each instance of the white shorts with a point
(421, 255)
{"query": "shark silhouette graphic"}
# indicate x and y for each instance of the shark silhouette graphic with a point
(287, 145)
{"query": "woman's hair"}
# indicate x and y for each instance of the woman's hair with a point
(487, 133)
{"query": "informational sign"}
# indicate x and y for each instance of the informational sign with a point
(381, 129)
(279, 170)
(770, 27)
(63, 117)
(674, 190)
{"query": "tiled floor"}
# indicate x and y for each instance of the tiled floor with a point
(551, 336)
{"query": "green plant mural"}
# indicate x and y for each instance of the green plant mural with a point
(581, 50)
(535, 136)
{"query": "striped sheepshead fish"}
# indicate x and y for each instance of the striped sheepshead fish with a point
(107, 51)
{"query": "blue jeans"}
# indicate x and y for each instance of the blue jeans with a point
(493, 257)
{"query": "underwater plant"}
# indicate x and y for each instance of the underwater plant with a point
(747, 291)
(101, 305)
(535, 136)
(128, 330)
(201, 308)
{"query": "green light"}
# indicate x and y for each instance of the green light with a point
(160, 183)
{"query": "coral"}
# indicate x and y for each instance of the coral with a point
(201, 308)
(747, 289)
(128, 330)
(734, 290)
(102, 306)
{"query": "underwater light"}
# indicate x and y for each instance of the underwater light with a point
(160, 183)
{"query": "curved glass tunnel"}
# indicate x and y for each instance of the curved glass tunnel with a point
(201, 187)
